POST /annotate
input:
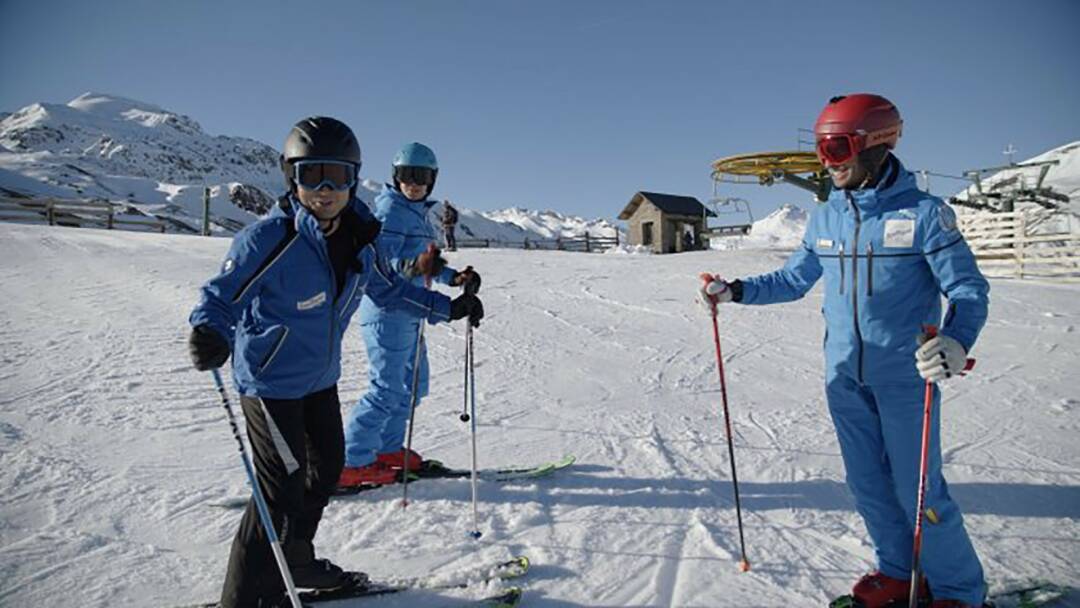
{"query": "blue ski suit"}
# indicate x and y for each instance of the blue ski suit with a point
(390, 331)
(888, 254)
(274, 301)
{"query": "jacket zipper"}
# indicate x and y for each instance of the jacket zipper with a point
(855, 282)
(841, 268)
(869, 269)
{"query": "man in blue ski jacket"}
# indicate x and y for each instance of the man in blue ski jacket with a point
(375, 432)
(888, 251)
(280, 306)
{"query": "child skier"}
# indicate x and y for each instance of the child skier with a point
(280, 306)
(375, 432)
(887, 251)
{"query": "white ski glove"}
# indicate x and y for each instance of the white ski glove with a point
(713, 291)
(939, 358)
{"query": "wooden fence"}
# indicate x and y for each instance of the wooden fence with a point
(1004, 247)
(587, 243)
(71, 212)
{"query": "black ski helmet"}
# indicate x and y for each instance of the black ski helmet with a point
(319, 138)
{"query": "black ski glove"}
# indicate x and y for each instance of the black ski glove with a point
(467, 305)
(469, 279)
(207, 348)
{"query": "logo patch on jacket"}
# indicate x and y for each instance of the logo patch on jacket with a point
(824, 243)
(899, 233)
(317, 300)
(947, 218)
(228, 266)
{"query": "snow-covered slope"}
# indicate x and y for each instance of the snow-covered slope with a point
(109, 147)
(113, 450)
(781, 229)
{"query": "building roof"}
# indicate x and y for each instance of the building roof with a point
(672, 204)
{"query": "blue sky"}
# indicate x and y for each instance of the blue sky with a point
(570, 105)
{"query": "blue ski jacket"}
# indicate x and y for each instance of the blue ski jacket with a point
(888, 254)
(276, 302)
(406, 233)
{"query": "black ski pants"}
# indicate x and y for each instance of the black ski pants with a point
(298, 450)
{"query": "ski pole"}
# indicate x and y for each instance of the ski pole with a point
(472, 394)
(930, 331)
(412, 416)
(260, 502)
(415, 398)
(916, 547)
(744, 565)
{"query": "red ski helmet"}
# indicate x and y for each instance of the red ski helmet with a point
(850, 124)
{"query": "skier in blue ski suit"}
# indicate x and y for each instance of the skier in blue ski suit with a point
(280, 306)
(375, 430)
(888, 251)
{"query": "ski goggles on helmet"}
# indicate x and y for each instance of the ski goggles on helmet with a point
(420, 176)
(839, 148)
(315, 174)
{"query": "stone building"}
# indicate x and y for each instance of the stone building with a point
(667, 223)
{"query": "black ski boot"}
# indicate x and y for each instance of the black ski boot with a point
(311, 573)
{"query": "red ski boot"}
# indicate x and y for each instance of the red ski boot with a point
(875, 590)
(396, 460)
(374, 474)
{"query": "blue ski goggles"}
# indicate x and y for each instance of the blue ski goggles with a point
(316, 174)
(419, 176)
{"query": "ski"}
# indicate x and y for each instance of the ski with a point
(504, 570)
(1024, 595)
(433, 469)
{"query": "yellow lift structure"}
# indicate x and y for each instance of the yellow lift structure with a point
(767, 168)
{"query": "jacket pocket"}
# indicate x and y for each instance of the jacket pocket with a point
(274, 350)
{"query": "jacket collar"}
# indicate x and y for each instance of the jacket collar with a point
(895, 179)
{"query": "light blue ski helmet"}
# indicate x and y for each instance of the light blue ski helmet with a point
(416, 155)
(416, 163)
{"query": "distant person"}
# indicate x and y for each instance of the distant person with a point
(688, 241)
(888, 252)
(280, 306)
(375, 432)
(449, 224)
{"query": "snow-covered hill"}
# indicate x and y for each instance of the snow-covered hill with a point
(157, 162)
(117, 149)
(781, 229)
(113, 451)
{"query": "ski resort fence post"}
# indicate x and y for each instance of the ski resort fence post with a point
(744, 564)
(206, 212)
(257, 495)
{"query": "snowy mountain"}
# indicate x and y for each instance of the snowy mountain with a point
(117, 149)
(551, 224)
(115, 454)
(781, 229)
(157, 162)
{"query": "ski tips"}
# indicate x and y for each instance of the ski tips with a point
(744, 566)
